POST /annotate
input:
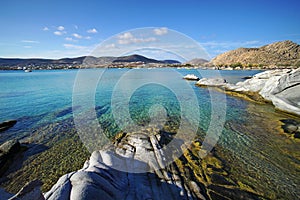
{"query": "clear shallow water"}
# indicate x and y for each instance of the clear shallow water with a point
(259, 156)
(37, 95)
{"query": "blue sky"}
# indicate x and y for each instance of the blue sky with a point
(63, 28)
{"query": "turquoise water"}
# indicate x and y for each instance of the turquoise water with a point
(260, 157)
(42, 97)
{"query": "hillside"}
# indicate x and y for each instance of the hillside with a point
(139, 58)
(278, 54)
(197, 61)
(15, 63)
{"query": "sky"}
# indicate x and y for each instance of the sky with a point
(64, 28)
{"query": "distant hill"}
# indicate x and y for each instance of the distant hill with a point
(139, 58)
(8, 63)
(282, 54)
(197, 61)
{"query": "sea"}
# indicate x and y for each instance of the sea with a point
(127, 99)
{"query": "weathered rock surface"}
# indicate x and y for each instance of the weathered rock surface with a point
(285, 53)
(133, 168)
(281, 87)
(7, 124)
(291, 126)
(191, 77)
(211, 82)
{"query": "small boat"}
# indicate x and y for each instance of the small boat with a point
(27, 70)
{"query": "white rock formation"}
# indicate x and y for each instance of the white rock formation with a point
(192, 77)
(211, 82)
(281, 87)
(138, 155)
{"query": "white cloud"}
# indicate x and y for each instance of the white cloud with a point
(70, 39)
(30, 41)
(72, 46)
(160, 31)
(128, 38)
(45, 28)
(108, 46)
(27, 47)
(137, 40)
(60, 28)
(93, 30)
(125, 36)
(88, 37)
(77, 36)
(58, 33)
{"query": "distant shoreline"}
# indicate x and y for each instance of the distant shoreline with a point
(190, 67)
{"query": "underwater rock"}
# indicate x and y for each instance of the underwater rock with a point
(291, 126)
(7, 152)
(7, 124)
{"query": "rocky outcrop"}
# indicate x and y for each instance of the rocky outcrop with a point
(281, 87)
(285, 53)
(133, 167)
(292, 127)
(211, 82)
(191, 77)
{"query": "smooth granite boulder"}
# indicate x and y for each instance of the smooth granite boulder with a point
(132, 168)
(211, 82)
(281, 87)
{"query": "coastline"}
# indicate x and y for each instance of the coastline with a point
(221, 155)
(278, 87)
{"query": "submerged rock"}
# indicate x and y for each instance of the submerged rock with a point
(7, 124)
(7, 152)
(10, 147)
(291, 126)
